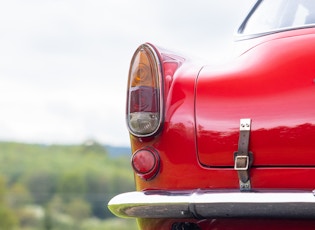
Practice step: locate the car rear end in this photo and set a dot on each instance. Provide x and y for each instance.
(224, 147)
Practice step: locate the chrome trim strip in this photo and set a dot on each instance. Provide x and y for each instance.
(241, 37)
(204, 204)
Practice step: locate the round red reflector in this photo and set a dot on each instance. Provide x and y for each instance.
(145, 162)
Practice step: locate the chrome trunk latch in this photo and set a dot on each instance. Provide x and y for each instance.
(243, 158)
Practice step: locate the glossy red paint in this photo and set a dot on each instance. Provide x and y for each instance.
(203, 105)
(275, 89)
(271, 81)
(279, 103)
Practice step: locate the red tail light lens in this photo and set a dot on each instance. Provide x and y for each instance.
(146, 163)
(144, 102)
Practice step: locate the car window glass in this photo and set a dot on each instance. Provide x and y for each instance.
(279, 14)
(300, 15)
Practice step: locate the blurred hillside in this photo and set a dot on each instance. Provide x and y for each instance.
(115, 151)
(62, 186)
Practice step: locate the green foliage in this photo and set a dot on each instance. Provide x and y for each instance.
(7, 218)
(60, 186)
(42, 185)
(79, 209)
(72, 185)
(115, 224)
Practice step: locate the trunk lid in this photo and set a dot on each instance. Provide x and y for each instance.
(276, 92)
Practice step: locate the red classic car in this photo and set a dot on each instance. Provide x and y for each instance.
(229, 146)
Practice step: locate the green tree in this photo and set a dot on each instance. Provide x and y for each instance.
(57, 175)
(79, 210)
(48, 219)
(18, 196)
(72, 185)
(97, 187)
(92, 146)
(7, 218)
(42, 185)
(56, 205)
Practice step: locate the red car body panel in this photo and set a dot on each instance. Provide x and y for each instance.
(203, 105)
(271, 81)
(200, 132)
(275, 90)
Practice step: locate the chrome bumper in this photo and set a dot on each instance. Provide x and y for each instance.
(214, 204)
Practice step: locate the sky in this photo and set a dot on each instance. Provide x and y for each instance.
(64, 63)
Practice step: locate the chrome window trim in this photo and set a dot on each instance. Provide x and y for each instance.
(239, 36)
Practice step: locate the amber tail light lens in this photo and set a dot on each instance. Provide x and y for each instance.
(144, 104)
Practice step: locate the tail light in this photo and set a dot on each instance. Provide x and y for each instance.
(146, 163)
(144, 103)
